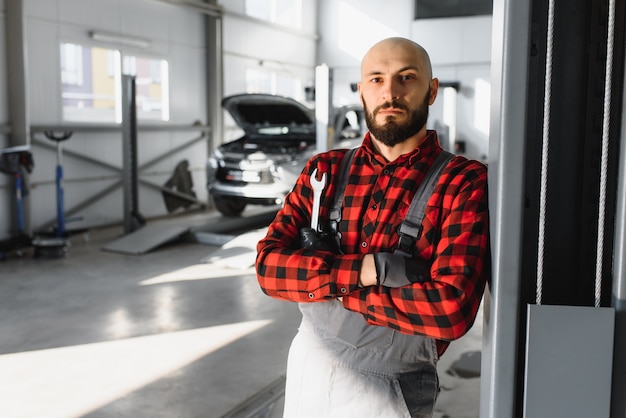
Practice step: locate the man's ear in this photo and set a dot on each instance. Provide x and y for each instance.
(434, 88)
(361, 96)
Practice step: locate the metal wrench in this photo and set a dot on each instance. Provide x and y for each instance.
(317, 186)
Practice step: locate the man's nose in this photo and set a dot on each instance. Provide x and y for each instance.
(391, 90)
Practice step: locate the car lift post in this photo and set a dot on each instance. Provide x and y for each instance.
(132, 218)
(323, 105)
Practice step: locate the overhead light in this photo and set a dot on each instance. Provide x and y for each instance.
(119, 39)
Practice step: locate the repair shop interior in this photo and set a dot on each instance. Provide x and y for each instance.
(147, 145)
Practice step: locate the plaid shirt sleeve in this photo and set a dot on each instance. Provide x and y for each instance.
(455, 238)
(288, 272)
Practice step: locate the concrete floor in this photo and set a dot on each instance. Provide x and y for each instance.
(181, 331)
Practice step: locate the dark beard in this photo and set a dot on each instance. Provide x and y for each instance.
(392, 133)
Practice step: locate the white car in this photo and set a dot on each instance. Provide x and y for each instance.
(262, 166)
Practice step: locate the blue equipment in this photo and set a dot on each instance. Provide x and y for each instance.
(13, 161)
(60, 230)
(55, 247)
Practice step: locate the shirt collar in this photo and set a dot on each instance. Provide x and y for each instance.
(427, 149)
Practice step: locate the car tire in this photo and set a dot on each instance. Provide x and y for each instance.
(229, 206)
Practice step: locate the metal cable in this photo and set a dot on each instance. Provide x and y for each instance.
(605, 151)
(544, 153)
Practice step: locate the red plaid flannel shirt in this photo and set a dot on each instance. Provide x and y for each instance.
(455, 236)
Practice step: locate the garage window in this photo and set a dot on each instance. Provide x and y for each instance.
(282, 12)
(151, 85)
(260, 80)
(90, 79)
(91, 84)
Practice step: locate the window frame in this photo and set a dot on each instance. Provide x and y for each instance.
(115, 70)
(273, 15)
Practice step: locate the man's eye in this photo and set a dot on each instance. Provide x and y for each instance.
(376, 80)
(407, 77)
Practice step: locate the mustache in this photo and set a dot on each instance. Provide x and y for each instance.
(394, 103)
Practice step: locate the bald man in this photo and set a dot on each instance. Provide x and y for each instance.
(377, 313)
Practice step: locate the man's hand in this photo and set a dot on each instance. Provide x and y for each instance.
(322, 241)
(368, 271)
(397, 270)
(390, 270)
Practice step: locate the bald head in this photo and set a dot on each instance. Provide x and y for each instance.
(394, 48)
(396, 89)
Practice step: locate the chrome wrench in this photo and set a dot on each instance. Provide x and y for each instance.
(317, 186)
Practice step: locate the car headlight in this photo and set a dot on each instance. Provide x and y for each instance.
(277, 171)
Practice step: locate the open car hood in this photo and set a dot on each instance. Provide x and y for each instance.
(266, 114)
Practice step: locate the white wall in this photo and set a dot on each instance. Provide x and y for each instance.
(175, 34)
(251, 44)
(460, 50)
(348, 28)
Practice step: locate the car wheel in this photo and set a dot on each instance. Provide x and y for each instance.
(229, 206)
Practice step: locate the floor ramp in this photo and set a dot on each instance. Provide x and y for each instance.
(146, 239)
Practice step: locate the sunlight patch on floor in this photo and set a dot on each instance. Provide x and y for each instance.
(238, 253)
(197, 272)
(73, 381)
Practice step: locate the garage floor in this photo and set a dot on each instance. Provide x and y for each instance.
(180, 331)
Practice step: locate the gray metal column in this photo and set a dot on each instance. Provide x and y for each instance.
(17, 73)
(618, 401)
(215, 76)
(509, 73)
(17, 90)
(323, 106)
(132, 218)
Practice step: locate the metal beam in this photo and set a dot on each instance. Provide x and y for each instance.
(618, 401)
(214, 75)
(17, 91)
(510, 50)
(170, 152)
(110, 189)
(17, 73)
(132, 216)
(95, 161)
(209, 8)
(93, 199)
(214, 62)
(105, 128)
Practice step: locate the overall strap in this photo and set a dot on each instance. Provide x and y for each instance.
(334, 215)
(411, 228)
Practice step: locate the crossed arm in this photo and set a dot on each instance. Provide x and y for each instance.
(442, 307)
